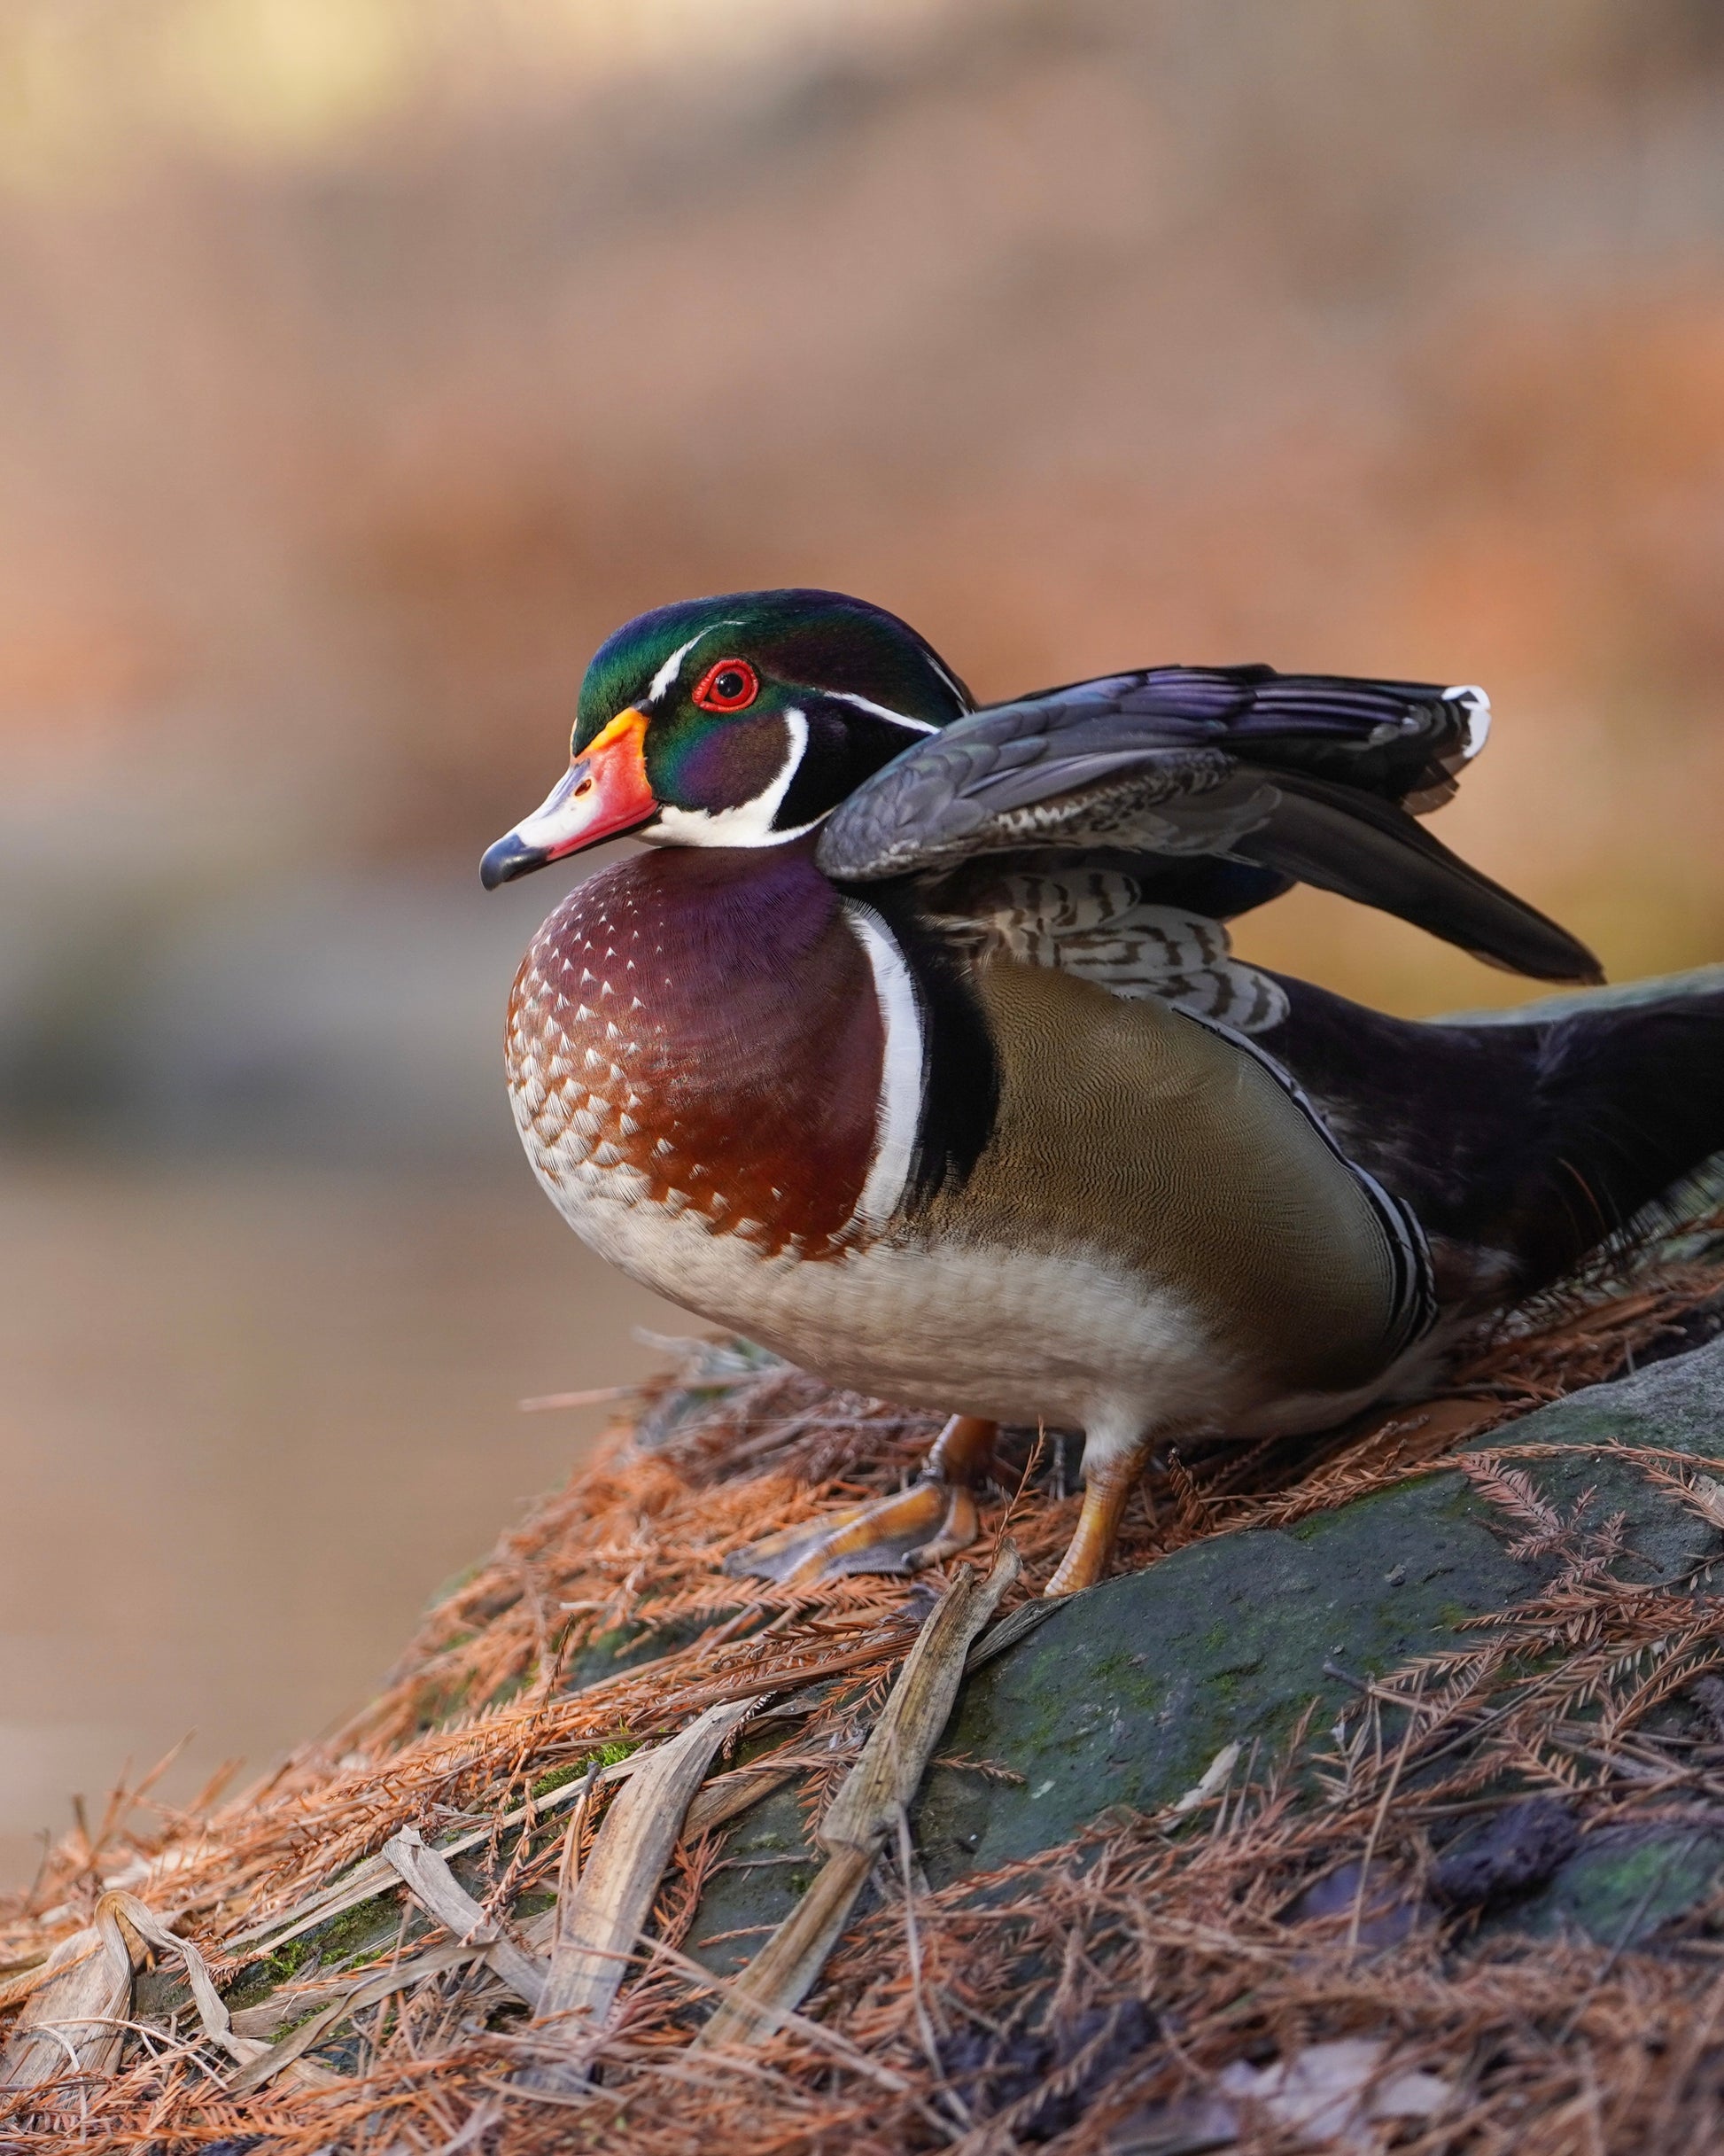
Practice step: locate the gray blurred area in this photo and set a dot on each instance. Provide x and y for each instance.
(328, 1013)
(363, 363)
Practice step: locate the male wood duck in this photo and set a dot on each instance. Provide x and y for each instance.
(912, 1046)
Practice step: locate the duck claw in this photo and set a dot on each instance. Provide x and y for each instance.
(924, 1525)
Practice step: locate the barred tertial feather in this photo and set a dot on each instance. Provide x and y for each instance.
(1097, 924)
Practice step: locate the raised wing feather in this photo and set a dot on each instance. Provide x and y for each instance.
(1302, 775)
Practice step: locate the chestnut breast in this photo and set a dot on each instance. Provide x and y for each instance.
(702, 1025)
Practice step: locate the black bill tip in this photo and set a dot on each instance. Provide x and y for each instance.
(510, 857)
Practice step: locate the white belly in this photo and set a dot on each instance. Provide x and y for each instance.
(1013, 1336)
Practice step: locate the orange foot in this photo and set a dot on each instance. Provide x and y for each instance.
(915, 1528)
(1105, 1489)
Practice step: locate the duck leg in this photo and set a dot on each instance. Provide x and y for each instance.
(1110, 1472)
(924, 1525)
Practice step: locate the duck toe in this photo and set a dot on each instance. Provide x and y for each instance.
(912, 1528)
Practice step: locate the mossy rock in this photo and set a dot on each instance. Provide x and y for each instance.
(631, 1646)
(351, 1935)
(1125, 1694)
(768, 1862)
(1623, 1885)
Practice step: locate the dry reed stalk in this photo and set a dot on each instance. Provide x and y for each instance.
(878, 1788)
(594, 1396)
(598, 1923)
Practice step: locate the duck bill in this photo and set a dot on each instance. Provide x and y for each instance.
(603, 793)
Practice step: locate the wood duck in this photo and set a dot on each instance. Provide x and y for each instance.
(911, 1045)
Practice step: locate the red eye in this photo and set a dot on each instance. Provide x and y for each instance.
(729, 685)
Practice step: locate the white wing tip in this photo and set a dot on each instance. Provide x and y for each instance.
(1477, 706)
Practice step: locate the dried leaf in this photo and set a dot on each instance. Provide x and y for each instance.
(70, 2024)
(897, 1755)
(1334, 2092)
(435, 1887)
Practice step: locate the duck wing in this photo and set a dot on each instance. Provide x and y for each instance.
(1314, 778)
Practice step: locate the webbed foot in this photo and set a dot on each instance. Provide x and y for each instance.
(932, 1519)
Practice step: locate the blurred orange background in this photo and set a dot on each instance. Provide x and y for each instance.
(363, 362)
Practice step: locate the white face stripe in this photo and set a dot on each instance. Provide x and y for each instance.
(951, 682)
(879, 711)
(746, 823)
(897, 1117)
(795, 725)
(667, 672)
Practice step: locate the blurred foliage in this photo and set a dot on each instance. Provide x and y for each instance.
(88, 84)
(369, 360)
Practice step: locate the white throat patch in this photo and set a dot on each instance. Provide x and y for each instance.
(745, 823)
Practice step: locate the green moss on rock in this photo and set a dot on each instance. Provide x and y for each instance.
(1623, 1883)
(1124, 1695)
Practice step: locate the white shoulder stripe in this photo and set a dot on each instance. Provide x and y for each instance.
(897, 1118)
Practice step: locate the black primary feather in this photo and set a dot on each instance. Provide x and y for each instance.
(1341, 840)
(1308, 778)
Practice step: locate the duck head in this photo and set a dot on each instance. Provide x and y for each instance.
(736, 721)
